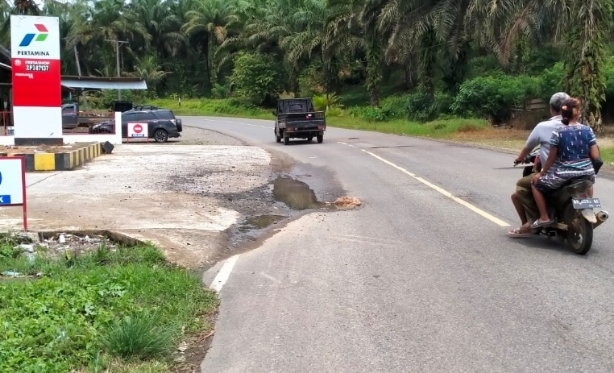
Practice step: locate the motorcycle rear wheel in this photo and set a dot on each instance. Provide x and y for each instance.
(579, 231)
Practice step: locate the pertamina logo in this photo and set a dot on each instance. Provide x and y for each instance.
(34, 37)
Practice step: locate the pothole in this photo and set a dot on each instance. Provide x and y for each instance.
(296, 194)
(259, 222)
(297, 197)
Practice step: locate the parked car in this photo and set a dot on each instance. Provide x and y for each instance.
(161, 113)
(162, 123)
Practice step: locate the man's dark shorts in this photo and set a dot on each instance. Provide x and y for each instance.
(525, 195)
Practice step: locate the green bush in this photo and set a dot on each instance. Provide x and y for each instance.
(394, 106)
(310, 80)
(423, 107)
(369, 113)
(494, 96)
(319, 102)
(551, 81)
(257, 77)
(220, 91)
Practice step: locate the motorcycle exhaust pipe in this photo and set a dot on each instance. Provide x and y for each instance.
(602, 217)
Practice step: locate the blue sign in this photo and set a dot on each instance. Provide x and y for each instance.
(5, 200)
(0, 178)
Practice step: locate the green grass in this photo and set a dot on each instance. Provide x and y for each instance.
(443, 128)
(607, 154)
(214, 107)
(125, 309)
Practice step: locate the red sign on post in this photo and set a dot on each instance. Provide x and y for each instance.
(138, 131)
(35, 65)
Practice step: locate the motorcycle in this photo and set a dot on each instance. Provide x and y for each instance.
(572, 209)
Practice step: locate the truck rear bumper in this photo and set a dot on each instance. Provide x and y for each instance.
(303, 133)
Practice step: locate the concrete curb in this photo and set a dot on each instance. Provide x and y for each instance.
(60, 161)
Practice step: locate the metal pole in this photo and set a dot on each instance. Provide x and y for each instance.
(119, 91)
(117, 57)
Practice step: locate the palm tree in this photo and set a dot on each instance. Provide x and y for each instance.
(102, 25)
(583, 27)
(209, 22)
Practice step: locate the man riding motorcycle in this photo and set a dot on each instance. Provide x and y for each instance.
(522, 198)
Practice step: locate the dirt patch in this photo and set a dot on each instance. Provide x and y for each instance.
(168, 194)
(346, 203)
(39, 149)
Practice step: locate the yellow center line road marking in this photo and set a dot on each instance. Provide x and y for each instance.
(468, 205)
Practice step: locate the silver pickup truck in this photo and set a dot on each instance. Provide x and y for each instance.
(70, 116)
(73, 118)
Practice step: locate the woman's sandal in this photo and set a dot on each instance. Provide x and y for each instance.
(523, 231)
(541, 224)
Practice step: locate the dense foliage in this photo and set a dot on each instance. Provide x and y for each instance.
(486, 57)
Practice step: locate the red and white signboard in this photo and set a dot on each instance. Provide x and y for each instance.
(137, 130)
(35, 63)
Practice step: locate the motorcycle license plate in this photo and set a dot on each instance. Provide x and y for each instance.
(586, 203)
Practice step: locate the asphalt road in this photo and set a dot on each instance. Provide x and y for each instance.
(413, 281)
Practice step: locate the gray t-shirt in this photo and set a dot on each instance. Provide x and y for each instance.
(541, 135)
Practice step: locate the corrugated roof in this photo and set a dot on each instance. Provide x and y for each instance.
(91, 82)
(94, 82)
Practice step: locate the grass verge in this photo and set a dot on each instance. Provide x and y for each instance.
(118, 311)
(444, 128)
(466, 130)
(214, 107)
(607, 154)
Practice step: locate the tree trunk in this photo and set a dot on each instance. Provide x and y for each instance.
(428, 62)
(374, 66)
(456, 69)
(207, 82)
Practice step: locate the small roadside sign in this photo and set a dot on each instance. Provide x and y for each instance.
(137, 130)
(13, 184)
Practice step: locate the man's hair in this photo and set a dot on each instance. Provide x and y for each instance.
(557, 99)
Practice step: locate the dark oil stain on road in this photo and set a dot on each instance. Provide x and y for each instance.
(295, 194)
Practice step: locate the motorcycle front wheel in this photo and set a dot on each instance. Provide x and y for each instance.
(579, 231)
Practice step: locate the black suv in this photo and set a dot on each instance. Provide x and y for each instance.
(162, 123)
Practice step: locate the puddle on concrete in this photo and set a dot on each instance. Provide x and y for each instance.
(294, 193)
(259, 222)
